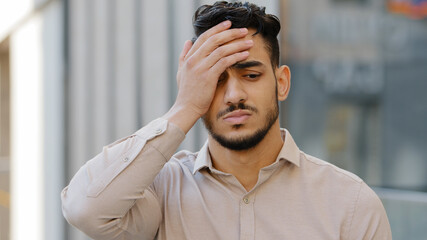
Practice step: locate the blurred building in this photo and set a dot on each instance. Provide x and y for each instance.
(358, 98)
(32, 119)
(76, 75)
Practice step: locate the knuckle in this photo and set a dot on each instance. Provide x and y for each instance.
(225, 61)
(181, 57)
(215, 39)
(219, 52)
(191, 62)
(236, 32)
(204, 36)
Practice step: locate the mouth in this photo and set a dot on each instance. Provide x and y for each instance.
(237, 117)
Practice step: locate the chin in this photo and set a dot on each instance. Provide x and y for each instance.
(241, 137)
(238, 140)
(235, 131)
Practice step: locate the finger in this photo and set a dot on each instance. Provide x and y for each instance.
(227, 50)
(184, 52)
(219, 39)
(212, 31)
(227, 62)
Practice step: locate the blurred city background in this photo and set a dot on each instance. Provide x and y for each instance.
(75, 75)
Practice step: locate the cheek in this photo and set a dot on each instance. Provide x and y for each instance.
(264, 93)
(210, 115)
(216, 101)
(267, 100)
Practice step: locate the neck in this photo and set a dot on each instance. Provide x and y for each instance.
(246, 164)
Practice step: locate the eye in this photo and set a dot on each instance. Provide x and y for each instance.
(252, 76)
(222, 78)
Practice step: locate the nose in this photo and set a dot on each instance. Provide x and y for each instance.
(234, 91)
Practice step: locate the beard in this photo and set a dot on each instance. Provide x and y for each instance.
(244, 142)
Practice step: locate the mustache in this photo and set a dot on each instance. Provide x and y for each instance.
(235, 107)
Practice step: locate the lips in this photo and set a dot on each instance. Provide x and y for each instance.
(237, 117)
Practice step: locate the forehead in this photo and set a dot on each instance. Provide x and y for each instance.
(259, 50)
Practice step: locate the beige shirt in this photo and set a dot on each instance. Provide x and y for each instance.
(136, 189)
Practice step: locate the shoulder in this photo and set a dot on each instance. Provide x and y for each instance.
(330, 184)
(365, 213)
(369, 219)
(175, 172)
(181, 162)
(315, 166)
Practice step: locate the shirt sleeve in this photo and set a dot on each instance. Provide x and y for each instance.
(369, 220)
(110, 196)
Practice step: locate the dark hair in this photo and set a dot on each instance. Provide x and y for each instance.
(241, 15)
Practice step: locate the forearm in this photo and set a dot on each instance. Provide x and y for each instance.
(101, 196)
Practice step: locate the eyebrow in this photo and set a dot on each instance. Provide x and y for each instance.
(247, 64)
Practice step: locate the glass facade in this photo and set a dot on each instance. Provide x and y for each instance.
(358, 98)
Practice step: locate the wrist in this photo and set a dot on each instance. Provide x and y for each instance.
(181, 116)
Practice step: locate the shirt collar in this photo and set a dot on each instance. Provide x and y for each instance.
(203, 158)
(289, 152)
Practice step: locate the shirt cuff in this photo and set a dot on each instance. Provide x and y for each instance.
(168, 137)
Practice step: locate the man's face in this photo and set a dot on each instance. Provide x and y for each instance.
(245, 105)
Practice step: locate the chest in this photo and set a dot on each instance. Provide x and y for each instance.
(210, 208)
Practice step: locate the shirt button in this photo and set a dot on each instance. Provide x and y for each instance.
(246, 200)
(126, 159)
(158, 131)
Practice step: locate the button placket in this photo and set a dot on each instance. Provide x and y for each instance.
(247, 219)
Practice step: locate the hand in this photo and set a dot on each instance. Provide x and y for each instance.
(201, 64)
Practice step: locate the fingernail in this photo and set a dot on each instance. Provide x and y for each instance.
(245, 53)
(249, 42)
(226, 23)
(244, 30)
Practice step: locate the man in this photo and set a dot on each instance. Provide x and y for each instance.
(249, 181)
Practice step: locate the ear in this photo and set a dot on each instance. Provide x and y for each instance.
(283, 75)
